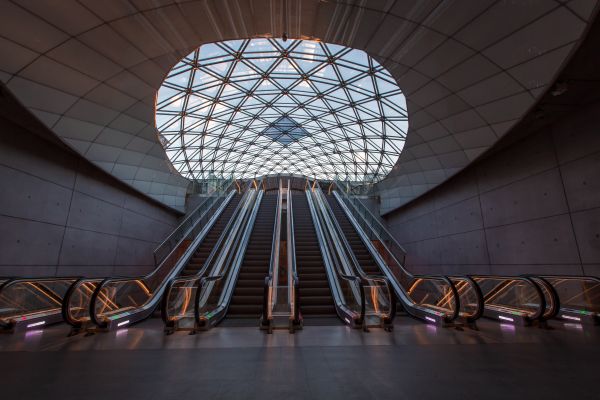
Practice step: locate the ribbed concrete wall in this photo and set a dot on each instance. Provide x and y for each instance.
(59, 215)
(532, 207)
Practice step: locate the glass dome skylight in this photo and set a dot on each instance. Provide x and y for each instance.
(247, 108)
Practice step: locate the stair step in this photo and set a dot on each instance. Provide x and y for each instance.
(322, 310)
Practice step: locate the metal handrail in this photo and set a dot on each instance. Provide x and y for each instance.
(551, 278)
(228, 185)
(66, 304)
(329, 247)
(391, 254)
(210, 203)
(354, 267)
(233, 260)
(507, 279)
(12, 281)
(195, 279)
(405, 296)
(7, 283)
(179, 264)
(271, 278)
(477, 293)
(293, 280)
(366, 280)
(275, 245)
(552, 302)
(377, 221)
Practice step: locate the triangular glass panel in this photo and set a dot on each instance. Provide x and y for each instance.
(295, 118)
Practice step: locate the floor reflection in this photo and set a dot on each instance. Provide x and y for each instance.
(150, 335)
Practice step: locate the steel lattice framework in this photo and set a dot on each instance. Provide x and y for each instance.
(247, 108)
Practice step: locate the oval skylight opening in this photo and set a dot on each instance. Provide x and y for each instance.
(248, 108)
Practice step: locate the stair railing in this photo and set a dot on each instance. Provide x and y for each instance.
(118, 302)
(431, 298)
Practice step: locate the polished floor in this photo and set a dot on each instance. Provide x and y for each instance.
(416, 361)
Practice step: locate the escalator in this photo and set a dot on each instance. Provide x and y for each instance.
(579, 298)
(182, 289)
(520, 300)
(433, 299)
(361, 301)
(247, 300)
(362, 254)
(316, 301)
(201, 255)
(118, 302)
(32, 303)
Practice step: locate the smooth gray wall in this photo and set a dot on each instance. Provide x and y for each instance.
(533, 207)
(59, 215)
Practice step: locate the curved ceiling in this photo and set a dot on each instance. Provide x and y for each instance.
(90, 70)
(247, 108)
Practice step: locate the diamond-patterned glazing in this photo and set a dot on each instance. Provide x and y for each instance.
(247, 108)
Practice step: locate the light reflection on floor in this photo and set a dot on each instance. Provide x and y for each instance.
(149, 335)
(415, 361)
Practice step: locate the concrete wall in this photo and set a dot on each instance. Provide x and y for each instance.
(59, 215)
(531, 207)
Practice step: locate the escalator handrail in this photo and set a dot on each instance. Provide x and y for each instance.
(593, 308)
(92, 305)
(358, 274)
(142, 278)
(215, 249)
(224, 189)
(478, 293)
(323, 214)
(391, 254)
(378, 260)
(367, 280)
(148, 276)
(212, 278)
(178, 266)
(382, 227)
(555, 307)
(529, 282)
(66, 314)
(291, 245)
(14, 281)
(376, 220)
(242, 237)
(274, 260)
(348, 249)
(456, 312)
(224, 195)
(539, 315)
(570, 277)
(382, 242)
(331, 261)
(209, 261)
